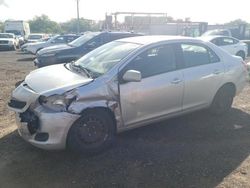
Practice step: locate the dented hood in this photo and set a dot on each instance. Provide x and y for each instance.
(53, 78)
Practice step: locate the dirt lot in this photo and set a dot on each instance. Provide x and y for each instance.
(196, 150)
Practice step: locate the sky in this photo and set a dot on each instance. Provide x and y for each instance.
(212, 11)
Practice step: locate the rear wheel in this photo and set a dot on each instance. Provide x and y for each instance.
(241, 54)
(223, 100)
(91, 133)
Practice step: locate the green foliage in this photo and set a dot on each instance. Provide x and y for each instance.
(236, 22)
(42, 24)
(85, 25)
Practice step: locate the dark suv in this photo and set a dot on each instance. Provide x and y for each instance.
(77, 48)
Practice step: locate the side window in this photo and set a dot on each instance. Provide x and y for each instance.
(98, 41)
(154, 61)
(227, 41)
(236, 41)
(213, 57)
(217, 41)
(69, 38)
(59, 40)
(195, 55)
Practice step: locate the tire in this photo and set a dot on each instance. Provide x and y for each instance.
(223, 100)
(241, 54)
(93, 132)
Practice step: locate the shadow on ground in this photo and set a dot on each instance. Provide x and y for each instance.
(196, 150)
(27, 58)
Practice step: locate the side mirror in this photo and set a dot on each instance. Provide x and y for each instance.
(132, 76)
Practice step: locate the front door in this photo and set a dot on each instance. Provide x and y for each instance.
(160, 91)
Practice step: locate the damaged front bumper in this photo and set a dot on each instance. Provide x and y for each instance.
(44, 128)
(40, 126)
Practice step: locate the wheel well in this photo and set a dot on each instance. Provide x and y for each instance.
(230, 87)
(241, 51)
(38, 49)
(112, 115)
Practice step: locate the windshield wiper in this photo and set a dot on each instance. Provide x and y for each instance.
(84, 69)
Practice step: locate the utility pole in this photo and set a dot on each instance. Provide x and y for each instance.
(78, 18)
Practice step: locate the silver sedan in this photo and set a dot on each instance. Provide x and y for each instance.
(123, 85)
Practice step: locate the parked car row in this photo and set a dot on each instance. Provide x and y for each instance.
(121, 85)
(77, 48)
(33, 48)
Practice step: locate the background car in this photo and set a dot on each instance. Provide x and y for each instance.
(36, 37)
(8, 41)
(33, 48)
(230, 44)
(221, 32)
(76, 49)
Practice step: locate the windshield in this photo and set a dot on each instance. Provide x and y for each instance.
(14, 32)
(216, 32)
(35, 37)
(5, 35)
(53, 38)
(83, 39)
(102, 59)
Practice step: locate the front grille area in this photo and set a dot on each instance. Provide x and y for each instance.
(4, 42)
(16, 104)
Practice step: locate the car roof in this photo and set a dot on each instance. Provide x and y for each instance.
(144, 40)
(211, 37)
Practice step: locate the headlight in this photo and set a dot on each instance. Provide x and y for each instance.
(11, 42)
(57, 103)
(48, 54)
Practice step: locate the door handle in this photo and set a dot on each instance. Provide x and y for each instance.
(217, 71)
(176, 81)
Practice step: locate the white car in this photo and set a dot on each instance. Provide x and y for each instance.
(36, 37)
(223, 32)
(8, 41)
(122, 85)
(230, 44)
(33, 48)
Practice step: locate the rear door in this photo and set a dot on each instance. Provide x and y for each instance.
(230, 45)
(203, 73)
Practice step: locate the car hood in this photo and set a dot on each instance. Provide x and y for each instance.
(55, 79)
(54, 48)
(37, 43)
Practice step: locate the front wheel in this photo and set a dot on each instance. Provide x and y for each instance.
(223, 100)
(91, 133)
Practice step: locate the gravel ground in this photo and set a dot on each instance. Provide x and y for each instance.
(196, 150)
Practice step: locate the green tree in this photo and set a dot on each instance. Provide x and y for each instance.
(85, 25)
(236, 22)
(42, 24)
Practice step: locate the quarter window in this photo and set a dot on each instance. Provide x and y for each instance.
(154, 61)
